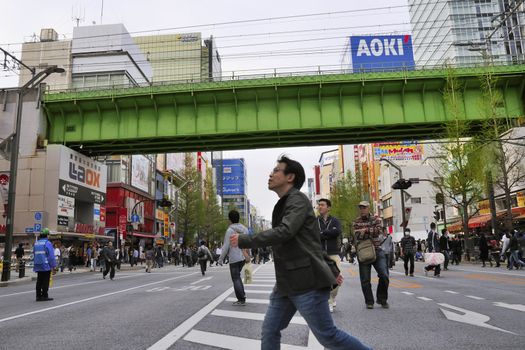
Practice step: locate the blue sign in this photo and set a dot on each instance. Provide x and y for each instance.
(233, 177)
(38, 216)
(382, 53)
(29, 230)
(135, 218)
(37, 228)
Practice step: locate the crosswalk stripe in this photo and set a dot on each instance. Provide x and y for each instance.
(254, 316)
(230, 342)
(259, 285)
(253, 291)
(407, 293)
(451, 292)
(424, 298)
(474, 297)
(252, 301)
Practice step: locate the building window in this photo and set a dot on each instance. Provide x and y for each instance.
(415, 200)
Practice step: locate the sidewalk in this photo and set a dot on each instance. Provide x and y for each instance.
(31, 276)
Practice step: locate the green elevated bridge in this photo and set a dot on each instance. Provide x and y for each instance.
(272, 112)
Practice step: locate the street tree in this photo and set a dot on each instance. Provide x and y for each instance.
(189, 206)
(458, 165)
(345, 196)
(503, 152)
(214, 224)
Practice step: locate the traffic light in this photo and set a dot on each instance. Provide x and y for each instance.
(401, 184)
(437, 215)
(440, 199)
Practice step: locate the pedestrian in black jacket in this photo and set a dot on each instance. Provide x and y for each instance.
(330, 229)
(110, 259)
(303, 276)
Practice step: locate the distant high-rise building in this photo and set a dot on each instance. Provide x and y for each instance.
(467, 32)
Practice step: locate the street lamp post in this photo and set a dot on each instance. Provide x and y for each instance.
(402, 192)
(32, 83)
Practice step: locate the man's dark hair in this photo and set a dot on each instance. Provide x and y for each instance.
(432, 226)
(443, 231)
(294, 167)
(233, 215)
(327, 201)
(407, 230)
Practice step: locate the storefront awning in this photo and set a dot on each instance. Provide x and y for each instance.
(145, 235)
(81, 236)
(484, 220)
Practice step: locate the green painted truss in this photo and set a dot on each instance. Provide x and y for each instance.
(273, 112)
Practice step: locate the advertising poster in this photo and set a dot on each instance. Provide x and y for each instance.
(381, 53)
(4, 192)
(406, 150)
(233, 177)
(140, 172)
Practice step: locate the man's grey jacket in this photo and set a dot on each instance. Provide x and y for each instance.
(294, 237)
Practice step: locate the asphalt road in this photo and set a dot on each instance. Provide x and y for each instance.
(178, 308)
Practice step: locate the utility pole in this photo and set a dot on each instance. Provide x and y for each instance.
(31, 84)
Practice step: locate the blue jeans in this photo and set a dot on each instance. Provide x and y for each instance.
(313, 307)
(515, 259)
(235, 273)
(365, 271)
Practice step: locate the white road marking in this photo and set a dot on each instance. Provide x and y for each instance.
(259, 285)
(251, 301)
(68, 285)
(517, 307)
(169, 339)
(451, 292)
(492, 272)
(202, 280)
(407, 293)
(91, 298)
(424, 298)
(254, 316)
(230, 342)
(252, 291)
(474, 297)
(469, 317)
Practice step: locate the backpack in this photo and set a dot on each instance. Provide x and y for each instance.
(201, 253)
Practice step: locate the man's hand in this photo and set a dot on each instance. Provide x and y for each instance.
(339, 279)
(234, 240)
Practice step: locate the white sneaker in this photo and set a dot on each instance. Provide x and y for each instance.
(334, 304)
(331, 307)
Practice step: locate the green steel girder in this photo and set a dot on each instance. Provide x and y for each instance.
(273, 112)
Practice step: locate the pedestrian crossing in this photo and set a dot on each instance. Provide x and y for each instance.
(251, 314)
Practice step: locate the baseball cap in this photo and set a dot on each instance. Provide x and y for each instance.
(364, 204)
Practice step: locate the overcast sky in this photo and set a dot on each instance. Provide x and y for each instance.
(302, 43)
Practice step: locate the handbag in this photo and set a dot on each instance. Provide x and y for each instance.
(366, 252)
(434, 258)
(248, 273)
(332, 265)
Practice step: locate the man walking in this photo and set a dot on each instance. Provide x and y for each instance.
(19, 253)
(367, 227)
(444, 246)
(203, 254)
(330, 229)
(44, 262)
(408, 250)
(110, 260)
(433, 247)
(236, 256)
(303, 276)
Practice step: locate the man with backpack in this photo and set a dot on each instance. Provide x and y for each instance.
(203, 254)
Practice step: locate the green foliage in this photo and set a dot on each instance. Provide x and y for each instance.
(345, 197)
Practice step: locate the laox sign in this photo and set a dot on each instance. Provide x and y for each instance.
(81, 174)
(378, 47)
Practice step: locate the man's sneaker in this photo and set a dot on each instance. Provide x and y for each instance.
(411, 275)
(334, 304)
(385, 305)
(331, 307)
(239, 303)
(369, 306)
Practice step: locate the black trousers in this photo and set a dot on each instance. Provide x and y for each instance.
(409, 257)
(42, 284)
(203, 264)
(110, 267)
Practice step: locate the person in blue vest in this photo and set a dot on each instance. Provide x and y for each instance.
(44, 263)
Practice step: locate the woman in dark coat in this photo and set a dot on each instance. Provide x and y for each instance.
(484, 250)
